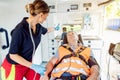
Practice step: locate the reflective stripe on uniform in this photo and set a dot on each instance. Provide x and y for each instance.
(79, 62)
(11, 75)
(70, 69)
(69, 60)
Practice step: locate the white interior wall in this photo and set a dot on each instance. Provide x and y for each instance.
(11, 13)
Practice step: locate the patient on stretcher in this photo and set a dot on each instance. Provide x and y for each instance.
(73, 61)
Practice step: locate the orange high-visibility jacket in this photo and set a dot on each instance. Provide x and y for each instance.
(73, 65)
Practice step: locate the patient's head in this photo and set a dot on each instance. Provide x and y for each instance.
(72, 37)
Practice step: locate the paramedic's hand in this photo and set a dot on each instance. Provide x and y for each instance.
(57, 27)
(38, 68)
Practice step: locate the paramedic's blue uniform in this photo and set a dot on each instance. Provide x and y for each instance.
(21, 40)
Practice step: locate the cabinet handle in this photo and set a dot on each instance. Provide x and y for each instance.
(53, 53)
(89, 41)
(89, 45)
(52, 41)
(53, 48)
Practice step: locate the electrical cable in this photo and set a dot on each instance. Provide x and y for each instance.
(108, 73)
(33, 46)
(108, 66)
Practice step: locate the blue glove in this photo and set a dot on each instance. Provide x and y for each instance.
(38, 68)
(57, 27)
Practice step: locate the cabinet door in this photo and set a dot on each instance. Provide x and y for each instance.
(48, 41)
(95, 44)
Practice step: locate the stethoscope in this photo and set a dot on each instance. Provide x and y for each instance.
(31, 36)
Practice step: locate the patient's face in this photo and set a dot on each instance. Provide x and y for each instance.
(72, 37)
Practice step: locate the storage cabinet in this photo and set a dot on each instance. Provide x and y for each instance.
(49, 44)
(53, 47)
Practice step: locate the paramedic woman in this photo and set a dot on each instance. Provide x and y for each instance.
(18, 62)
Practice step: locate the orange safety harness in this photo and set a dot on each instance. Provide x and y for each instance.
(75, 54)
(72, 54)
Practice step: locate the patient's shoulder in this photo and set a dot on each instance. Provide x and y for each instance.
(64, 45)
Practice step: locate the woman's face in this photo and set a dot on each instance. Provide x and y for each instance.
(42, 17)
(72, 37)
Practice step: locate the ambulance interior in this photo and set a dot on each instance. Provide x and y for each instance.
(98, 22)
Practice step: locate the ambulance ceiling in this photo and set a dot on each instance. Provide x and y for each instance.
(5, 2)
(79, 0)
(99, 2)
(85, 0)
(53, 0)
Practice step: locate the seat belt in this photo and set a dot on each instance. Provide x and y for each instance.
(75, 54)
(72, 54)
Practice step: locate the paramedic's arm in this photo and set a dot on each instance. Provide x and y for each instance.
(20, 60)
(50, 29)
(94, 69)
(37, 68)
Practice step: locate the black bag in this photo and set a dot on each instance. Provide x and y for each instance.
(114, 50)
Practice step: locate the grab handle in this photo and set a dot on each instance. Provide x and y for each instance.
(7, 40)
